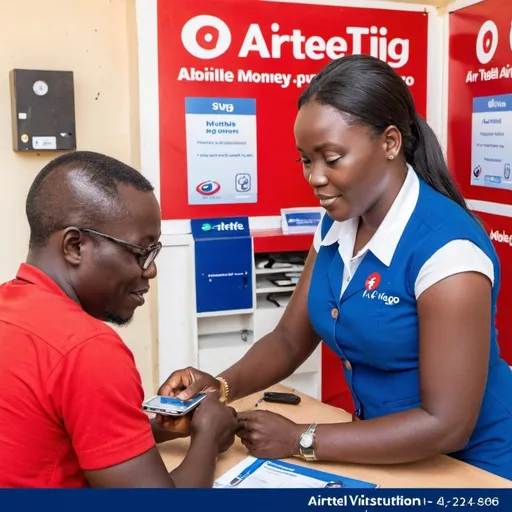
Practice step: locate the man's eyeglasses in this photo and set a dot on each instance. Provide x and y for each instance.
(146, 255)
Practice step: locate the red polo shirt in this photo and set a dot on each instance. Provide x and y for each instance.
(70, 394)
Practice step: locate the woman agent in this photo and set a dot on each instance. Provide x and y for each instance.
(401, 283)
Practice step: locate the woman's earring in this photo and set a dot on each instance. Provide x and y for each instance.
(391, 157)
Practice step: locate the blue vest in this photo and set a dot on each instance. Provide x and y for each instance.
(373, 327)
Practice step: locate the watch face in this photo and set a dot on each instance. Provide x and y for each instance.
(306, 440)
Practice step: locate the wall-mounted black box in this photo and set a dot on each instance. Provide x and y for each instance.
(43, 110)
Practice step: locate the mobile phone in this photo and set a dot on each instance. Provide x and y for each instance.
(169, 406)
(281, 398)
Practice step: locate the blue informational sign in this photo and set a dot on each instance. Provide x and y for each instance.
(223, 264)
(221, 150)
(491, 148)
(302, 221)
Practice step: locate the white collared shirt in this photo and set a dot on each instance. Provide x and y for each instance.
(453, 258)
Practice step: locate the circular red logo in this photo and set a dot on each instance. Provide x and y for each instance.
(372, 282)
(208, 188)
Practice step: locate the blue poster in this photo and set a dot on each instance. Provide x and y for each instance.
(491, 153)
(221, 150)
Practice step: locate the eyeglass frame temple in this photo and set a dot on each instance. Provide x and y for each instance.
(146, 250)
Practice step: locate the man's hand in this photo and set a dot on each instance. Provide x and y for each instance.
(268, 435)
(213, 418)
(179, 425)
(187, 383)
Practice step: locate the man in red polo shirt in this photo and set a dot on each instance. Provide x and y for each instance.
(70, 406)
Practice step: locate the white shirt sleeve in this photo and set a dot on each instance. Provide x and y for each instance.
(455, 257)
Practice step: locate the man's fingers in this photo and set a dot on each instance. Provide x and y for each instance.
(179, 425)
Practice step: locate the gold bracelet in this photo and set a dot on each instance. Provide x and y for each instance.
(224, 390)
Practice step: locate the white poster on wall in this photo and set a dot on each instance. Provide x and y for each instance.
(491, 148)
(221, 150)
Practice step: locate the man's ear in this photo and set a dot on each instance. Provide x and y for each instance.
(72, 245)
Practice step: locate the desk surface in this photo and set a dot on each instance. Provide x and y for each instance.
(441, 471)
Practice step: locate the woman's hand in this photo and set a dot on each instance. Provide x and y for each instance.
(187, 383)
(268, 435)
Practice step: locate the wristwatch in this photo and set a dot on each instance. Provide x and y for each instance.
(307, 443)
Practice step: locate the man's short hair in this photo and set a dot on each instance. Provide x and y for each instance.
(49, 205)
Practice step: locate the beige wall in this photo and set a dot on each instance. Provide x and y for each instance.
(95, 39)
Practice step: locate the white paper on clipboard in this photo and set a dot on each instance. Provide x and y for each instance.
(253, 473)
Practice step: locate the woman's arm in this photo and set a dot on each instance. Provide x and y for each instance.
(273, 358)
(454, 330)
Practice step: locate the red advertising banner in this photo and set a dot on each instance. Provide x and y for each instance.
(480, 127)
(480, 100)
(234, 71)
(500, 230)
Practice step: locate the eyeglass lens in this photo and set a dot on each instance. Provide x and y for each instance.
(150, 258)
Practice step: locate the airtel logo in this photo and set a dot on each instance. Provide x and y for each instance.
(206, 37)
(373, 281)
(487, 42)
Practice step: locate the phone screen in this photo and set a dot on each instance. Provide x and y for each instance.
(173, 404)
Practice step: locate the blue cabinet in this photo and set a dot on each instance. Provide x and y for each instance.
(223, 264)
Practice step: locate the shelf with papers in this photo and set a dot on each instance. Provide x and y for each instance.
(274, 301)
(274, 289)
(265, 283)
(294, 269)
